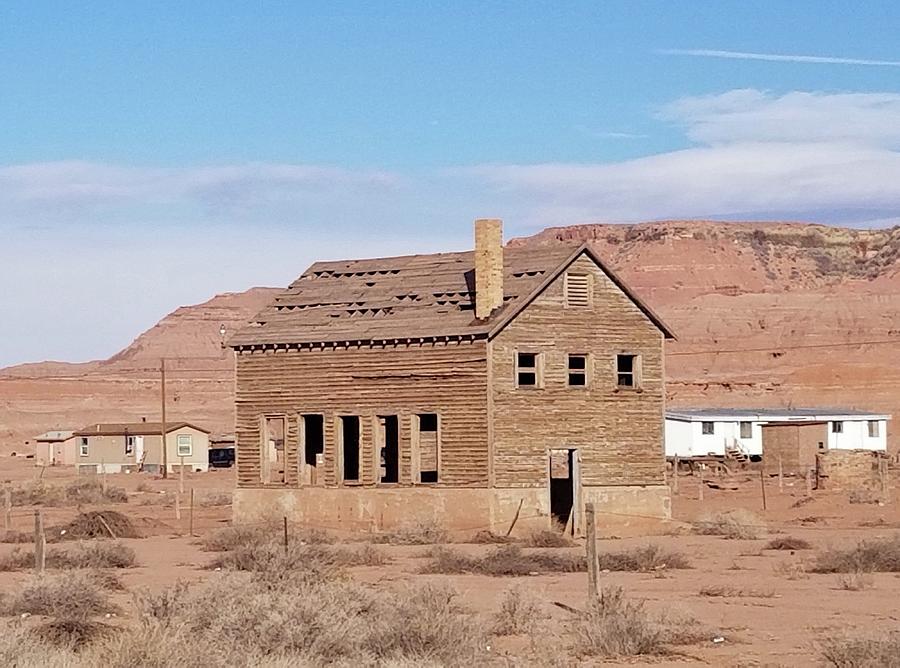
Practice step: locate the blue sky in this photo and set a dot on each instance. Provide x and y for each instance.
(153, 154)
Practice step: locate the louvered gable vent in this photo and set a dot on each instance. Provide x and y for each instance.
(578, 289)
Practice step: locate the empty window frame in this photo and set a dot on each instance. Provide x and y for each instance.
(873, 429)
(837, 427)
(528, 369)
(708, 428)
(577, 289)
(628, 370)
(185, 445)
(350, 442)
(129, 445)
(746, 430)
(83, 447)
(429, 437)
(388, 449)
(577, 367)
(273, 459)
(312, 437)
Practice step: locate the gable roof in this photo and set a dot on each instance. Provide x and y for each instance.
(135, 429)
(410, 297)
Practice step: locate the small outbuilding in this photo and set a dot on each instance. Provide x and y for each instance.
(55, 448)
(794, 435)
(127, 447)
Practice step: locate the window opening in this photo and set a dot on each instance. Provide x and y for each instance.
(389, 449)
(527, 369)
(873, 428)
(428, 447)
(837, 427)
(746, 430)
(578, 370)
(708, 428)
(627, 370)
(350, 448)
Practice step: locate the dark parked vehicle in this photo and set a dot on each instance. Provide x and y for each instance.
(221, 458)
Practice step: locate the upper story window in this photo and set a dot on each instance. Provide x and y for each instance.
(578, 370)
(577, 289)
(746, 430)
(873, 429)
(708, 428)
(628, 370)
(837, 427)
(528, 369)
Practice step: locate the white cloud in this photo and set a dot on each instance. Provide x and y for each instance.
(779, 57)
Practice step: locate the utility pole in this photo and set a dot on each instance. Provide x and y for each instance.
(162, 384)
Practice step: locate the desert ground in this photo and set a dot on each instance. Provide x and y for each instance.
(736, 601)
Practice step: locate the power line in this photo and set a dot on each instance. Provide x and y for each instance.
(776, 349)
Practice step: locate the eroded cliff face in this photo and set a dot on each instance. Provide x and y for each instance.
(766, 314)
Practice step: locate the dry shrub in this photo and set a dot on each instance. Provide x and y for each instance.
(83, 491)
(419, 533)
(878, 555)
(791, 569)
(614, 626)
(505, 560)
(213, 498)
(95, 524)
(16, 560)
(519, 613)
(642, 559)
(737, 524)
(20, 648)
(725, 591)
(547, 538)
(309, 558)
(855, 581)
(863, 495)
(238, 536)
(71, 633)
(19, 537)
(863, 652)
(484, 537)
(67, 596)
(97, 554)
(788, 543)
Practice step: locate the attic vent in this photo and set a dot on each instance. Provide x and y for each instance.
(529, 274)
(578, 290)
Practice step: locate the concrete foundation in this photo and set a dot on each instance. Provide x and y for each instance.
(373, 509)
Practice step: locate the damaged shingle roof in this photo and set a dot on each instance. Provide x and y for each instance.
(414, 296)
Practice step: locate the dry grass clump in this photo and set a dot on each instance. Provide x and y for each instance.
(95, 524)
(16, 560)
(864, 652)
(547, 538)
(863, 495)
(880, 555)
(99, 554)
(614, 626)
(63, 595)
(642, 559)
(420, 533)
(484, 537)
(519, 613)
(505, 560)
(71, 633)
(791, 569)
(855, 581)
(309, 558)
(213, 498)
(788, 543)
(725, 591)
(13, 536)
(244, 536)
(87, 490)
(737, 524)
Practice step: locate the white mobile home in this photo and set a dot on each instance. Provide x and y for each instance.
(721, 431)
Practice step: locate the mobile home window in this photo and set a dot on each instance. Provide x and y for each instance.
(837, 427)
(746, 430)
(429, 447)
(528, 369)
(578, 290)
(578, 370)
(185, 445)
(708, 428)
(873, 429)
(628, 369)
(129, 445)
(83, 447)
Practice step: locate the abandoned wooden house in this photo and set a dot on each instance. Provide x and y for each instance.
(462, 388)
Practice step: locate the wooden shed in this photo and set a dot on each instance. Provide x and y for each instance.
(462, 388)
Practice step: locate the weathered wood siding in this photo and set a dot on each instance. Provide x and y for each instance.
(618, 431)
(449, 379)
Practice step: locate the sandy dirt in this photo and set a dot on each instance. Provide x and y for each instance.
(776, 618)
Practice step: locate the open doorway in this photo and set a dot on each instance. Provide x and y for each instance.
(563, 488)
(388, 449)
(274, 468)
(312, 435)
(350, 448)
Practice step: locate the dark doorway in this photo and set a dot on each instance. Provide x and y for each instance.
(389, 442)
(562, 487)
(350, 447)
(313, 438)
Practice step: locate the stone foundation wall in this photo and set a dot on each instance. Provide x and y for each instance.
(456, 509)
(848, 469)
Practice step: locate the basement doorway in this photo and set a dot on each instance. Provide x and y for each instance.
(564, 489)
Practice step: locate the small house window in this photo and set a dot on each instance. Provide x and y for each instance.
(528, 369)
(83, 447)
(578, 290)
(628, 370)
(708, 428)
(185, 445)
(837, 427)
(578, 369)
(746, 430)
(873, 429)
(129, 445)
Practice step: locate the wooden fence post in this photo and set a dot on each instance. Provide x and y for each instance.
(810, 472)
(700, 487)
(591, 547)
(7, 504)
(780, 475)
(177, 506)
(675, 475)
(762, 486)
(191, 521)
(285, 535)
(40, 543)
(181, 477)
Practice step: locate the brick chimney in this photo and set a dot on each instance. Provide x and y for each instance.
(488, 266)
